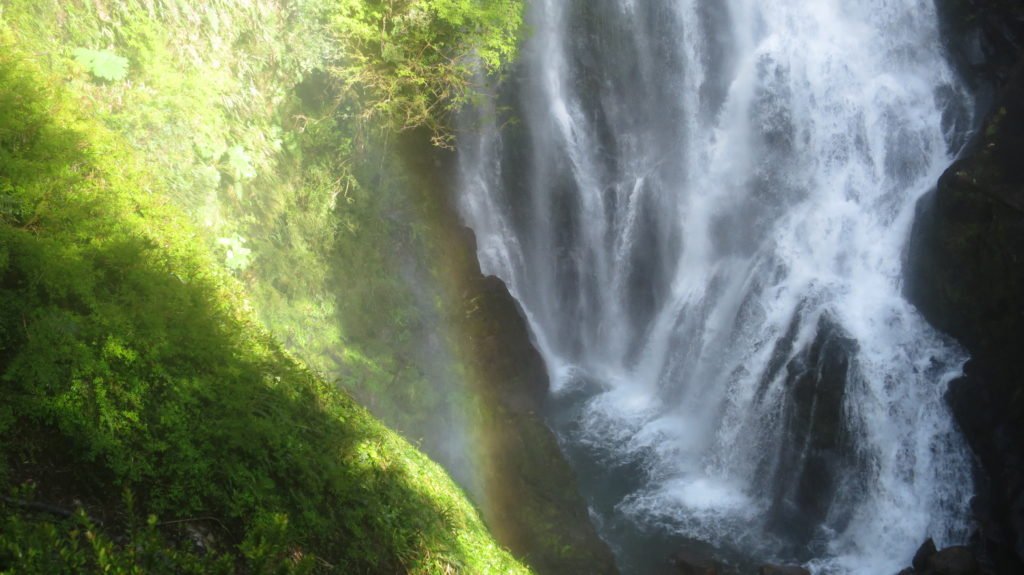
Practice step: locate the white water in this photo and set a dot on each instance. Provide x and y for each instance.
(697, 192)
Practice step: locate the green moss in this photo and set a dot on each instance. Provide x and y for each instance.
(130, 362)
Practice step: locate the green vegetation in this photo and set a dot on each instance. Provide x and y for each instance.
(139, 381)
(129, 366)
(102, 64)
(270, 125)
(413, 62)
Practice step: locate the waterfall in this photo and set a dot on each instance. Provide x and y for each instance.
(702, 206)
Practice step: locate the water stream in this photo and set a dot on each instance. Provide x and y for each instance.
(702, 206)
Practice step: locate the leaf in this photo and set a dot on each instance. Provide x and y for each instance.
(240, 164)
(102, 64)
(238, 257)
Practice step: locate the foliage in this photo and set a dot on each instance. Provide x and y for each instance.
(263, 120)
(237, 257)
(102, 64)
(268, 121)
(78, 545)
(245, 136)
(414, 62)
(129, 361)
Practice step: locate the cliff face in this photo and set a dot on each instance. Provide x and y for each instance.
(966, 269)
(984, 37)
(531, 501)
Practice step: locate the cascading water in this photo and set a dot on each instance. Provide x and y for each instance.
(702, 209)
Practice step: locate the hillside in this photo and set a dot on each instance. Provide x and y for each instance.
(149, 422)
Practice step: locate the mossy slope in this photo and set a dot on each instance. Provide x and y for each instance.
(136, 383)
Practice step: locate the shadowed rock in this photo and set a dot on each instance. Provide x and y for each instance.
(924, 553)
(966, 275)
(782, 570)
(532, 502)
(691, 563)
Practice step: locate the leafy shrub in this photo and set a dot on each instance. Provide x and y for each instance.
(414, 62)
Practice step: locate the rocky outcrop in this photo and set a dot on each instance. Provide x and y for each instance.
(532, 503)
(818, 451)
(686, 562)
(543, 518)
(957, 560)
(984, 39)
(966, 275)
(924, 552)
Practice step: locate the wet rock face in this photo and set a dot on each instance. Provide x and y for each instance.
(924, 553)
(957, 560)
(687, 562)
(532, 504)
(808, 470)
(544, 519)
(953, 561)
(984, 38)
(966, 275)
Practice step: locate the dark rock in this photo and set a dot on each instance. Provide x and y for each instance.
(983, 38)
(924, 553)
(819, 452)
(782, 570)
(532, 503)
(953, 561)
(689, 563)
(966, 275)
(957, 560)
